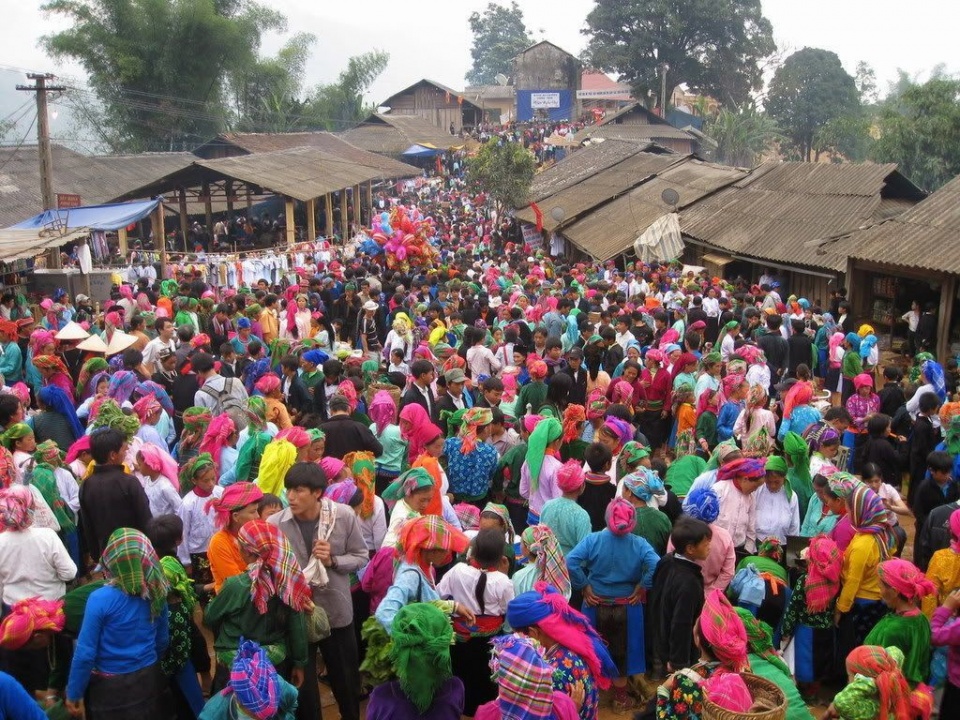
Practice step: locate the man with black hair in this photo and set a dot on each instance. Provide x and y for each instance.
(329, 532)
(420, 392)
(11, 410)
(491, 392)
(110, 498)
(295, 394)
(938, 489)
(775, 348)
(345, 435)
(164, 339)
(216, 392)
(574, 368)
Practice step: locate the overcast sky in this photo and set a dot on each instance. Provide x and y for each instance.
(431, 38)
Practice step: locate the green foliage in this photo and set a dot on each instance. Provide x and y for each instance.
(713, 47)
(809, 90)
(160, 68)
(499, 35)
(742, 135)
(339, 106)
(846, 136)
(503, 170)
(918, 127)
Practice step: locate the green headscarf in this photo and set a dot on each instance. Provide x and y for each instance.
(110, 415)
(189, 471)
(169, 288)
(918, 361)
(776, 464)
(132, 565)
(797, 452)
(711, 358)
(760, 640)
(720, 452)
(420, 652)
(370, 370)
(45, 481)
(180, 583)
(952, 439)
(633, 452)
(546, 432)
(408, 483)
(683, 471)
(13, 433)
(257, 412)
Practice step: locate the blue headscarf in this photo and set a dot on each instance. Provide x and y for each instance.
(829, 324)
(57, 401)
(122, 385)
(702, 504)
(644, 483)
(317, 357)
(149, 387)
(854, 341)
(243, 324)
(933, 372)
(866, 345)
(254, 372)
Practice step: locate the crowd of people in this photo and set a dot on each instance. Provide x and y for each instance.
(503, 485)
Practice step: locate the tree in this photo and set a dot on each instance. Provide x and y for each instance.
(160, 68)
(713, 47)
(917, 129)
(503, 170)
(339, 106)
(499, 35)
(809, 90)
(742, 135)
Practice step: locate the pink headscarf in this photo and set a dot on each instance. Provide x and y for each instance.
(383, 410)
(22, 392)
(530, 422)
(157, 460)
(509, 386)
(906, 578)
(291, 297)
(833, 343)
(417, 430)
(621, 517)
(570, 476)
(214, 440)
(955, 530)
(39, 338)
(146, 406)
(332, 467)
(296, 436)
(863, 380)
(126, 292)
(349, 391)
(729, 691)
(267, 384)
(81, 445)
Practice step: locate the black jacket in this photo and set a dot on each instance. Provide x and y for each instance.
(444, 403)
(935, 534)
(298, 397)
(777, 352)
(578, 393)
(676, 600)
(345, 435)
(412, 395)
(111, 499)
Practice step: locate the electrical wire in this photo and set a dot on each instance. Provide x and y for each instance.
(16, 148)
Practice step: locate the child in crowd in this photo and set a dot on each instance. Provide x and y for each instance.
(598, 490)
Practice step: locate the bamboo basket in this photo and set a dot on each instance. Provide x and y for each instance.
(376, 387)
(763, 692)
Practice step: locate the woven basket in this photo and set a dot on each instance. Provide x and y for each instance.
(763, 692)
(376, 387)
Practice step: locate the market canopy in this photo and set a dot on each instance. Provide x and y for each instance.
(422, 151)
(112, 216)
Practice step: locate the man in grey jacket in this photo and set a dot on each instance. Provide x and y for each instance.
(331, 533)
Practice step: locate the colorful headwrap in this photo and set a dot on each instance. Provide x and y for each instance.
(468, 516)
(131, 564)
(800, 393)
(752, 354)
(16, 508)
(430, 532)
(728, 691)
(573, 416)
(750, 468)
(48, 452)
(50, 362)
(22, 392)
(547, 431)
(882, 665)
(194, 467)
(179, 581)
(363, 467)
(296, 436)
(348, 390)
(28, 617)
(342, 492)
(723, 629)
(546, 608)
(621, 517)
(408, 483)
(122, 385)
(473, 419)
(645, 484)
(256, 412)
(570, 477)
(537, 369)
(760, 640)
(254, 682)
(868, 515)
(15, 432)
(906, 578)
(146, 406)
(149, 387)
(842, 484)
(332, 467)
(597, 404)
(267, 384)
(620, 429)
(235, 497)
(523, 677)
(81, 445)
(542, 544)
(383, 410)
(196, 420)
(633, 452)
(824, 565)
(702, 504)
(215, 438)
(770, 548)
(275, 571)
(421, 636)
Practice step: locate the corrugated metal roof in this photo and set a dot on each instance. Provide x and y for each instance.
(578, 199)
(303, 173)
(434, 83)
(611, 229)
(96, 179)
(634, 133)
(271, 142)
(584, 163)
(927, 236)
(779, 209)
(392, 134)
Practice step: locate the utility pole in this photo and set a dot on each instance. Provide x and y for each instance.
(664, 67)
(40, 88)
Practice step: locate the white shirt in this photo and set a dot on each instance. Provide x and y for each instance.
(217, 383)
(152, 351)
(482, 361)
(374, 528)
(889, 492)
(34, 563)
(461, 580)
(711, 306)
(68, 488)
(400, 514)
(163, 499)
(197, 524)
(777, 515)
(738, 514)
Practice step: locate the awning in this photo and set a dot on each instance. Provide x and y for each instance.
(19, 244)
(660, 241)
(422, 151)
(717, 259)
(91, 217)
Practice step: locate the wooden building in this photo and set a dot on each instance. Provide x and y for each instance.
(445, 108)
(635, 122)
(546, 79)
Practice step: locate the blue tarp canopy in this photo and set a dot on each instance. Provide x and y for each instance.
(91, 217)
(422, 151)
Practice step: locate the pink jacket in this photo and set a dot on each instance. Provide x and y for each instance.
(943, 632)
(718, 568)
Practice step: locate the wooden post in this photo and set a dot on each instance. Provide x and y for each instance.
(208, 207)
(291, 223)
(948, 289)
(228, 189)
(122, 237)
(249, 201)
(328, 199)
(184, 221)
(344, 219)
(356, 206)
(159, 236)
(311, 220)
(368, 196)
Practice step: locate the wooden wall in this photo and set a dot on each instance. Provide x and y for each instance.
(432, 104)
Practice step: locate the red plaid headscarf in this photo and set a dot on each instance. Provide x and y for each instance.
(572, 416)
(275, 571)
(880, 665)
(236, 497)
(723, 629)
(429, 533)
(824, 564)
(906, 578)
